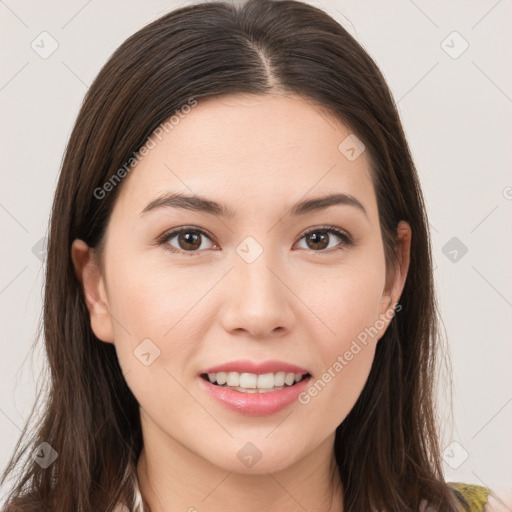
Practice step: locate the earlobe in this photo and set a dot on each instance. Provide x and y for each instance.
(89, 275)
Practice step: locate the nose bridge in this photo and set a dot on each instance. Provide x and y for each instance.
(252, 270)
(258, 298)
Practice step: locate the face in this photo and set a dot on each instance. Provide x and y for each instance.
(264, 281)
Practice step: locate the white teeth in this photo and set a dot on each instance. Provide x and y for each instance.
(289, 379)
(279, 378)
(253, 383)
(248, 380)
(233, 379)
(222, 378)
(265, 381)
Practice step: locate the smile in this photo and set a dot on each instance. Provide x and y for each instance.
(254, 383)
(254, 401)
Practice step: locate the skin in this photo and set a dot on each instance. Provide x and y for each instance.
(296, 302)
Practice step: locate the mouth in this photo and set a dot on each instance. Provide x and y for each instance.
(253, 382)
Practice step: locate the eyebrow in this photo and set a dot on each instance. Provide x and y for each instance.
(204, 205)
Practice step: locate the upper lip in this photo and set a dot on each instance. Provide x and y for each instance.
(248, 366)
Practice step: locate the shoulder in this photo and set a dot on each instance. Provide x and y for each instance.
(480, 499)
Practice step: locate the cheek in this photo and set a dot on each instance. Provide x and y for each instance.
(348, 301)
(156, 336)
(154, 320)
(346, 298)
(347, 353)
(333, 393)
(153, 299)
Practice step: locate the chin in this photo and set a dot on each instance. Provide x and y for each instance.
(253, 459)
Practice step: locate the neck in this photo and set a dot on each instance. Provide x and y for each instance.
(171, 477)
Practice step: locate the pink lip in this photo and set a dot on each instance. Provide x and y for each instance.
(256, 404)
(247, 366)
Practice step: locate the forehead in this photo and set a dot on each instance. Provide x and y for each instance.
(250, 152)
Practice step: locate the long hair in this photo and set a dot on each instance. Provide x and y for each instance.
(387, 449)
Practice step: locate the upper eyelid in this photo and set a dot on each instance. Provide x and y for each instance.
(173, 232)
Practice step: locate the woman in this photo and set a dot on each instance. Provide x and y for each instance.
(239, 300)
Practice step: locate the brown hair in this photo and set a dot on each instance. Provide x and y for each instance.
(386, 449)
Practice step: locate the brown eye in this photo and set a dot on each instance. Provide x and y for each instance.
(320, 239)
(317, 240)
(189, 241)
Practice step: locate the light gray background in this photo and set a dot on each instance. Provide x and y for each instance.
(457, 117)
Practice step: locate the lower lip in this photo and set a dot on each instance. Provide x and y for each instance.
(255, 404)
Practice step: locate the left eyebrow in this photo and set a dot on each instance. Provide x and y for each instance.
(321, 203)
(186, 202)
(202, 204)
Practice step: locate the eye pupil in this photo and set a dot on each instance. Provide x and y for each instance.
(190, 238)
(321, 239)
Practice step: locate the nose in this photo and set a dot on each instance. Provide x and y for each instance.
(258, 299)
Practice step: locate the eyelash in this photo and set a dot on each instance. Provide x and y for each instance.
(347, 240)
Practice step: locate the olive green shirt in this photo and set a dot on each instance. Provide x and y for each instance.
(474, 496)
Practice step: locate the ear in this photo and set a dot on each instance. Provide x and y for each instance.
(88, 272)
(394, 289)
